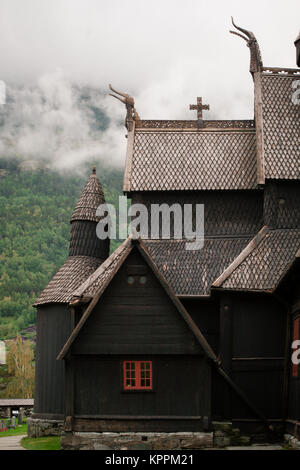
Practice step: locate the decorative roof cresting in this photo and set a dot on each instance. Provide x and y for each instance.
(256, 63)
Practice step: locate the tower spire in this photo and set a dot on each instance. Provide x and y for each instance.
(84, 240)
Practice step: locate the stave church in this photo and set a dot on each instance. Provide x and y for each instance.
(155, 338)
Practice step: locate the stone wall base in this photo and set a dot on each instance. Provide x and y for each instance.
(44, 427)
(136, 441)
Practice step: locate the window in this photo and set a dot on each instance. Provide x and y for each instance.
(130, 280)
(143, 280)
(137, 375)
(296, 325)
(133, 279)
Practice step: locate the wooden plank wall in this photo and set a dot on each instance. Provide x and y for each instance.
(53, 329)
(135, 319)
(181, 388)
(253, 352)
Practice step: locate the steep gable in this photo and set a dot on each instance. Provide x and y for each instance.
(134, 311)
(135, 318)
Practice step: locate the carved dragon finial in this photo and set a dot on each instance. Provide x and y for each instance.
(132, 114)
(256, 63)
(297, 44)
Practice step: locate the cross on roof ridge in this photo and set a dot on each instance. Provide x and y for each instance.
(199, 107)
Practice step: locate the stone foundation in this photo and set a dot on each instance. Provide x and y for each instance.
(44, 427)
(136, 441)
(292, 441)
(226, 435)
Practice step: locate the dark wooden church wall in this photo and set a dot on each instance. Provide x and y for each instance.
(252, 352)
(53, 329)
(281, 204)
(205, 313)
(289, 291)
(180, 389)
(135, 318)
(294, 382)
(225, 212)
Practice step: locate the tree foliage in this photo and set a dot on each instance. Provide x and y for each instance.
(35, 209)
(21, 368)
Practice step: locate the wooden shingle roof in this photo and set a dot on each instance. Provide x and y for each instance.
(281, 125)
(98, 279)
(91, 197)
(166, 159)
(264, 262)
(67, 279)
(191, 273)
(187, 272)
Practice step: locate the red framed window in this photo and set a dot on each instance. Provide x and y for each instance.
(137, 375)
(296, 327)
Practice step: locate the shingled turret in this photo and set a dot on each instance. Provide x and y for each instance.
(86, 251)
(83, 241)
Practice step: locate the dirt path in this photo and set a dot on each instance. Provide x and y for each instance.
(11, 443)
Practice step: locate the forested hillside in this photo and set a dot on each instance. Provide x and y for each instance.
(35, 209)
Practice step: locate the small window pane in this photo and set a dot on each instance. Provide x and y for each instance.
(137, 375)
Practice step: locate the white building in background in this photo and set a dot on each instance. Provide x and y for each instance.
(2, 353)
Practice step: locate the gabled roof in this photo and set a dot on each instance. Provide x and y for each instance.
(263, 263)
(191, 273)
(280, 124)
(112, 268)
(174, 159)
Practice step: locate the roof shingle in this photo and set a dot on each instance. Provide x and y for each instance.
(266, 264)
(191, 160)
(67, 279)
(281, 125)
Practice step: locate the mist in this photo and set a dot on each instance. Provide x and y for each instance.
(58, 56)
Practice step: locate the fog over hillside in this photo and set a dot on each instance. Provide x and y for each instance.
(61, 124)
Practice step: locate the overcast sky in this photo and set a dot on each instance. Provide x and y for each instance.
(163, 52)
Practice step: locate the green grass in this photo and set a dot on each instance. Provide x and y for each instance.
(41, 443)
(22, 429)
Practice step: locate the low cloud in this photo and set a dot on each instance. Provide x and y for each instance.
(61, 124)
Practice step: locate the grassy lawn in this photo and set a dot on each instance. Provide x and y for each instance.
(41, 443)
(22, 429)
